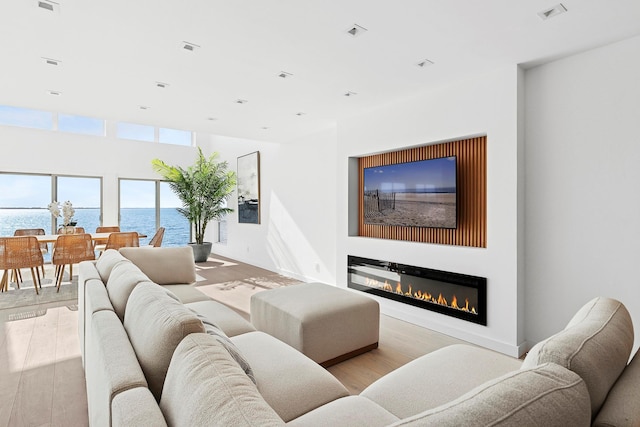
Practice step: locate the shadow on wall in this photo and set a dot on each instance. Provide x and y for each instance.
(287, 246)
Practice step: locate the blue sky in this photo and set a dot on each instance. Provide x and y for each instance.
(34, 191)
(422, 175)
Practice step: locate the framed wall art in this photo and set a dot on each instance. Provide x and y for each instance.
(249, 188)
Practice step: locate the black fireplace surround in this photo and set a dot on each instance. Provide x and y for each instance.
(453, 294)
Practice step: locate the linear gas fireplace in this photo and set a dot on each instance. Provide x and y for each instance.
(453, 294)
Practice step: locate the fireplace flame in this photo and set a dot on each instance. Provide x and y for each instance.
(424, 296)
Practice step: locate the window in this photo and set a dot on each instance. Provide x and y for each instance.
(141, 211)
(174, 136)
(25, 117)
(135, 131)
(84, 195)
(80, 124)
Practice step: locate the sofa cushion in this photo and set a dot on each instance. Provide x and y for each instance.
(547, 395)
(211, 329)
(123, 278)
(451, 372)
(156, 323)
(222, 316)
(352, 411)
(106, 262)
(621, 407)
(164, 266)
(596, 345)
(205, 387)
(290, 382)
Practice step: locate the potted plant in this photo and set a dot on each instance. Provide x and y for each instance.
(202, 188)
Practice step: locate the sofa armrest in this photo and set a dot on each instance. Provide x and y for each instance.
(136, 407)
(111, 366)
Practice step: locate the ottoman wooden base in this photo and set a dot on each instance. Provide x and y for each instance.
(326, 323)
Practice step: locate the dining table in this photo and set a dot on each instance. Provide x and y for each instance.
(96, 237)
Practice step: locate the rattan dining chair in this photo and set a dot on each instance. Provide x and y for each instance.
(71, 249)
(44, 248)
(76, 230)
(20, 252)
(122, 239)
(156, 240)
(105, 229)
(108, 229)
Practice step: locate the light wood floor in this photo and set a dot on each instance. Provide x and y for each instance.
(42, 380)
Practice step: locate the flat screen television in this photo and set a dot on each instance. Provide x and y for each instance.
(413, 194)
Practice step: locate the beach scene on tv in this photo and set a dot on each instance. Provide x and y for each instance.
(415, 194)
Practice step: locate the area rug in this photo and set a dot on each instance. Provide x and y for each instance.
(26, 295)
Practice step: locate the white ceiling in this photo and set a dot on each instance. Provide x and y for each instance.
(113, 52)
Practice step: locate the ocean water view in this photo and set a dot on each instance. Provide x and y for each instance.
(141, 220)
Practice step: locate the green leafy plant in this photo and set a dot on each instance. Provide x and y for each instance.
(202, 188)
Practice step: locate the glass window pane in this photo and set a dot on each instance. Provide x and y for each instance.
(80, 124)
(174, 136)
(25, 117)
(138, 207)
(84, 195)
(23, 202)
(135, 131)
(177, 230)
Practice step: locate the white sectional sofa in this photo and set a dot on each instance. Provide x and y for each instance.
(158, 352)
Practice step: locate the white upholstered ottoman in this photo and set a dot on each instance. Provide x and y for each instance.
(326, 323)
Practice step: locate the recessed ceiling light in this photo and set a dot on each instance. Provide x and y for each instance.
(48, 5)
(51, 61)
(425, 63)
(211, 119)
(54, 92)
(551, 12)
(300, 113)
(350, 93)
(356, 30)
(144, 107)
(189, 46)
(265, 127)
(284, 75)
(241, 101)
(162, 85)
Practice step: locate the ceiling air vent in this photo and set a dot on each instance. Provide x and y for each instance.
(188, 46)
(350, 93)
(284, 75)
(51, 61)
(356, 30)
(551, 12)
(241, 101)
(425, 63)
(48, 5)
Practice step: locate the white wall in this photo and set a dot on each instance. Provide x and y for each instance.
(485, 105)
(296, 235)
(582, 185)
(49, 152)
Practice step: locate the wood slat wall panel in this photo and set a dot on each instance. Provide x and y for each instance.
(472, 194)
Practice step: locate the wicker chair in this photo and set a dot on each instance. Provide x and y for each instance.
(71, 249)
(34, 232)
(77, 230)
(108, 229)
(156, 240)
(122, 239)
(105, 229)
(20, 252)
